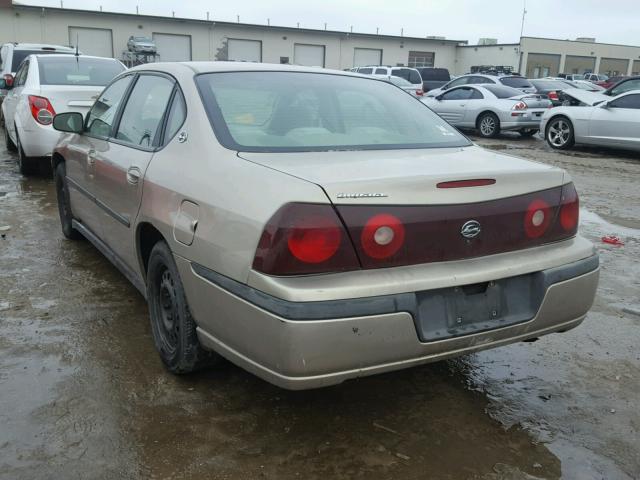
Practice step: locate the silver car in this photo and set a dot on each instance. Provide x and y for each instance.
(141, 45)
(315, 226)
(599, 120)
(514, 81)
(490, 109)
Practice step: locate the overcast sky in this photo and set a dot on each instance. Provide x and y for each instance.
(459, 19)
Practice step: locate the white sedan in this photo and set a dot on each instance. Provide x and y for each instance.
(43, 86)
(601, 120)
(490, 109)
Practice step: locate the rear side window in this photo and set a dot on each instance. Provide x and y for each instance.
(72, 70)
(142, 115)
(177, 116)
(102, 114)
(516, 82)
(408, 74)
(626, 86)
(436, 74)
(501, 91)
(20, 55)
(381, 71)
(367, 71)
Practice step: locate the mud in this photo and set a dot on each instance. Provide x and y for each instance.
(83, 394)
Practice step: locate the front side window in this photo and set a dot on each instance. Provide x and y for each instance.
(458, 94)
(102, 114)
(626, 87)
(72, 70)
(21, 74)
(287, 111)
(142, 115)
(458, 81)
(628, 101)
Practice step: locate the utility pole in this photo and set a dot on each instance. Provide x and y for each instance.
(524, 13)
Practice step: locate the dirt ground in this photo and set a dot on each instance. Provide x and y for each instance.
(83, 394)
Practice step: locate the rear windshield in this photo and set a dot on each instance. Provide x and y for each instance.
(439, 74)
(408, 74)
(549, 85)
(291, 111)
(516, 82)
(74, 70)
(501, 91)
(400, 82)
(20, 55)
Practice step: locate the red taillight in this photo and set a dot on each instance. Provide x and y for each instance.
(519, 106)
(41, 110)
(419, 92)
(569, 209)
(553, 96)
(303, 239)
(8, 79)
(537, 218)
(382, 236)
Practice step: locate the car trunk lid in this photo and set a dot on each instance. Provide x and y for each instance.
(71, 98)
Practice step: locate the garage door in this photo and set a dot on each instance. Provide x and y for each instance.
(93, 41)
(578, 64)
(308, 55)
(542, 65)
(614, 66)
(366, 56)
(173, 48)
(244, 50)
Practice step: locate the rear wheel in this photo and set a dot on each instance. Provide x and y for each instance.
(7, 140)
(488, 125)
(528, 132)
(559, 133)
(173, 327)
(26, 165)
(64, 205)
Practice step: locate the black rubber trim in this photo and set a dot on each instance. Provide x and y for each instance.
(358, 307)
(119, 218)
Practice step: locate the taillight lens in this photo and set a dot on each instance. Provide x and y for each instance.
(8, 79)
(569, 209)
(419, 92)
(520, 106)
(382, 236)
(537, 218)
(553, 96)
(302, 239)
(41, 109)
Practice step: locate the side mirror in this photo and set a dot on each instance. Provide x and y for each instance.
(445, 87)
(439, 97)
(7, 81)
(71, 122)
(604, 105)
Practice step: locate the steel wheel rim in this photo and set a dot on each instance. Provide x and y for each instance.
(487, 126)
(167, 309)
(559, 133)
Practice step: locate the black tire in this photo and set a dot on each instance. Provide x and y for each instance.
(8, 142)
(64, 204)
(26, 165)
(488, 125)
(559, 133)
(528, 132)
(173, 327)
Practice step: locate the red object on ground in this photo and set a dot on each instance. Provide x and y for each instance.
(612, 240)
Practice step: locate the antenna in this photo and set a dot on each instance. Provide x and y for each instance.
(77, 42)
(524, 13)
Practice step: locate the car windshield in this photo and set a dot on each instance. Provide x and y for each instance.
(142, 39)
(74, 70)
(501, 91)
(549, 84)
(291, 111)
(408, 74)
(516, 82)
(20, 55)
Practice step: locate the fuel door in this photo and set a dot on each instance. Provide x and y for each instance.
(186, 224)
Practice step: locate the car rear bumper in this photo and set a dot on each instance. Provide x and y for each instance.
(38, 140)
(526, 120)
(301, 345)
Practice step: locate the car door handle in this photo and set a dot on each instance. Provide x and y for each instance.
(91, 157)
(133, 175)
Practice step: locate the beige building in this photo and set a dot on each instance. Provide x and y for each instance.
(178, 39)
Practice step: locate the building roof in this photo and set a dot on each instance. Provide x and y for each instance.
(238, 24)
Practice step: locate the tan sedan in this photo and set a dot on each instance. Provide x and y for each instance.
(314, 226)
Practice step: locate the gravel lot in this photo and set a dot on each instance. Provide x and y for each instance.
(83, 393)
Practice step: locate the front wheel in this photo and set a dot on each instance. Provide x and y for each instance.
(488, 125)
(173, 327)
(559, 133)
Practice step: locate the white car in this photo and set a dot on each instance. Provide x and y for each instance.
(411, 75)
(490, 109)
(600, 120)
(43, 86)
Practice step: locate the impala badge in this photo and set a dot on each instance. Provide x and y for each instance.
(470, 229)
(362, 195)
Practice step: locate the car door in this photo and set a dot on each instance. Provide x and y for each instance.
(617, 124)
(13, 97)
(81, 154)
(474, 106)
(120, 170)
(452, 104)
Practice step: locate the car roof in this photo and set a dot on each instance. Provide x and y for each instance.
(40, 46)
(66, 55)
(215, 67)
